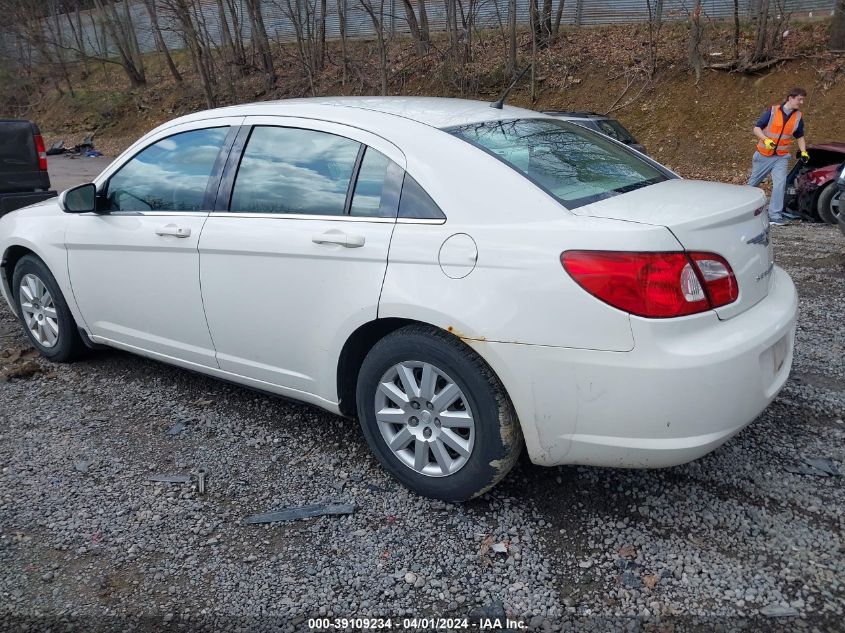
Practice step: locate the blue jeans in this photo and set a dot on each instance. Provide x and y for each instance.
(777, 166)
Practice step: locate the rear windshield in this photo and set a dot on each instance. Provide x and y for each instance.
(573, 164)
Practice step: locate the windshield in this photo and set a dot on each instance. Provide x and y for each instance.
(574, 165)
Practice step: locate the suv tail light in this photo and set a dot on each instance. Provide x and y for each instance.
(42, 152)
(655, 285)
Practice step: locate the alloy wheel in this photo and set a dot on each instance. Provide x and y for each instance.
(425, 418)
(39, 311)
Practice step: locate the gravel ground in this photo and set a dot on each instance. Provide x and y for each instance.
(733, 541)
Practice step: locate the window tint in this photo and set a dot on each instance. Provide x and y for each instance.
(377, 186)
(288, 170)
(169, 175)
(416, 203)
(574, 165)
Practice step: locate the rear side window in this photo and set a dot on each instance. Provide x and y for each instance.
(169, 175)
(416, 203)
(377, 186)
(290, 170)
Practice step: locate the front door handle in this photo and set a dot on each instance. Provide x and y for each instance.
(173, 230)
(339, 237)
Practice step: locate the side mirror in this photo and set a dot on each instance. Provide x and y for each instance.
(81, 199)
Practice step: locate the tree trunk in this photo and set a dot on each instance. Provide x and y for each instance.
(237, 36)
(425, 33)
(736, 29)
(837, 27)
(112, 25)
(696, 30)
(341, 21)
(259, 36)
(159, 38)
(321, 37)
(511, 38)
(546, 24)
(558, 17)
(762, 23)
(413, 27)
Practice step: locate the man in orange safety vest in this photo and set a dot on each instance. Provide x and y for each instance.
(775, 130)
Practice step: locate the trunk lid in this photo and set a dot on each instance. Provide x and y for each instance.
(705, 216)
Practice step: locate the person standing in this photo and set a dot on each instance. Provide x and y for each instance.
(775, 130)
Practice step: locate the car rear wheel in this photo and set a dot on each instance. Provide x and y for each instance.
(435, 415)
(827, 204)
(43, 310)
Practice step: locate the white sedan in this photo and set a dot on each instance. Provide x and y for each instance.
(465, 280)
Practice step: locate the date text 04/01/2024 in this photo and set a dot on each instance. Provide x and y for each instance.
(482, 624)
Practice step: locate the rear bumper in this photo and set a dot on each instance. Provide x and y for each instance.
(13, 201)
(688, 385)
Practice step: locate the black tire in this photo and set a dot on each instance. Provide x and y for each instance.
(498, 437)
(68, 346)
(823, 203)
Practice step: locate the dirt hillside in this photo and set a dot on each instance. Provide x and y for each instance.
(699, 128)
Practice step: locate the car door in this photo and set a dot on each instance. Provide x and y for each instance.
(134, 265)
(293, 259)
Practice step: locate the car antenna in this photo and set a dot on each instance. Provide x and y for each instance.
(500, 102)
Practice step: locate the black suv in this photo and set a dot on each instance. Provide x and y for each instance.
(600, 123)
(23, 165)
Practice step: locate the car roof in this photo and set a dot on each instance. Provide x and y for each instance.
(438, 112)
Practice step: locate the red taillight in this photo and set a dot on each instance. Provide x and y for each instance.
(42, 152)
(718, 278)
(656, 285)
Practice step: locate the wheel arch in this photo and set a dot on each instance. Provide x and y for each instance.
(11, 256)
(362, 340)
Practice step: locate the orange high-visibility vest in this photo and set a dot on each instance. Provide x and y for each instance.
(780, 130)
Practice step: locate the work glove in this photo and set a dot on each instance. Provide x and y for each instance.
(804, 156)
(769, 143)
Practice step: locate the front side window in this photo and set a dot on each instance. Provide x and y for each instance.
(291, 170)
(575, 166)
(170, 175)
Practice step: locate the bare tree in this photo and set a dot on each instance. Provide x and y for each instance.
(696, 31)
(376, 12)
(837, 27)
(262, 44)
(736, 30)
(341, 19)
(762, 19)
(123, 34)
(414, 28)
(511, 37)
(197, 46)
(558, 16)
(160, 43)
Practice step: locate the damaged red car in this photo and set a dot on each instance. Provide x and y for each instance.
(811, 190)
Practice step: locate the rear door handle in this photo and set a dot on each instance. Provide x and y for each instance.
(339, 237)
(173, 230)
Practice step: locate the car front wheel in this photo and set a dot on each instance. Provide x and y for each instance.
(43, 310)
(435, 415)
(828, 205)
